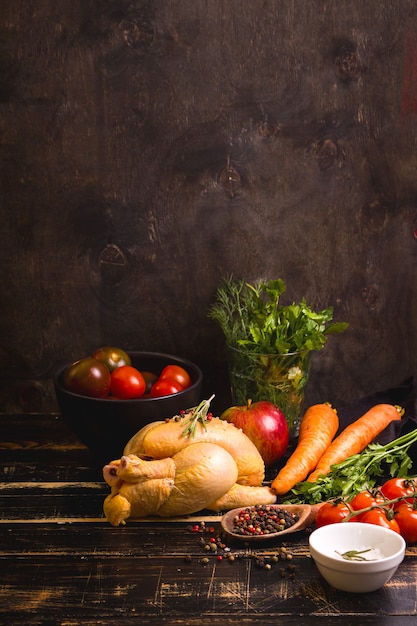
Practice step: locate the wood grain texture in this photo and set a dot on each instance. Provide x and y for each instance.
(121, 124)
(62, 562)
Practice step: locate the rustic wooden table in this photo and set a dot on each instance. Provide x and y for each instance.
(62, 563)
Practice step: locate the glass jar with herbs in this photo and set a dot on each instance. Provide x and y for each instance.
(269, 345)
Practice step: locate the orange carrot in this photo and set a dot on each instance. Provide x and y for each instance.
(317, 429)
(355, 437)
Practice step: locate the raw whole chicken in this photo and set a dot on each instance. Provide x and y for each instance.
(183, 465)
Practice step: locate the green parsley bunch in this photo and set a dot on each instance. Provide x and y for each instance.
(253, 319)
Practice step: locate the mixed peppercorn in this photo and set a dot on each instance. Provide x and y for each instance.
(262, 520)
(213, 545)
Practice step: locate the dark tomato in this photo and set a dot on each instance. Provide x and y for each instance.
(127, 383)
(112, 357)
(399, 488)
(88, 377)
(364, 500)
(165, 387)
(331, 513)
(150, 379)
(178, 373)
(406, 518)
(378, 516)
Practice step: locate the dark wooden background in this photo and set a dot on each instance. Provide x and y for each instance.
(148, 148)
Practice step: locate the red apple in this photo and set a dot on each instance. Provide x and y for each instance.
(265, 424)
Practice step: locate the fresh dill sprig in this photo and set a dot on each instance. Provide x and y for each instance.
(253, 319)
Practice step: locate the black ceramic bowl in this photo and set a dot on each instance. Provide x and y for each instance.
(105, 425)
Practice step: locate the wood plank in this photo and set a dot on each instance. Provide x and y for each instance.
(42, 448)
(71, 617)
(53, 506)
(47, 468)
(154, 536)
(26, 430)
(149, 585)
(65, 564)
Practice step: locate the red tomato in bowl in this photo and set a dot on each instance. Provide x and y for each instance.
(165, 387)
(150, 379)
(178, 373)
(127, 383)
(88, 377)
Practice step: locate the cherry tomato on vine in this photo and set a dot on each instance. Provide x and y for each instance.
(165, 387)
(406, 518)
(398, 488)
(331, 513)
(88, 377)
(378, 517)
(178, 373)
(364, 500)
(127, 382)
(112, 357)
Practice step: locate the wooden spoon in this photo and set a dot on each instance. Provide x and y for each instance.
(306, 515)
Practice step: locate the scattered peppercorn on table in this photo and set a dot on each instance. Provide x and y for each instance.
(63, 563)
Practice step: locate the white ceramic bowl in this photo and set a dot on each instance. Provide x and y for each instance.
(329, 542)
